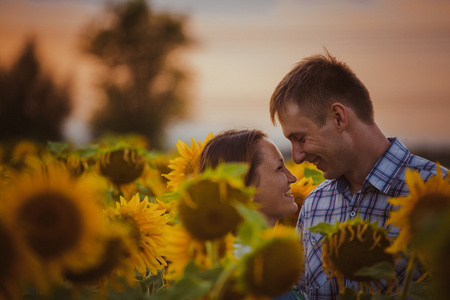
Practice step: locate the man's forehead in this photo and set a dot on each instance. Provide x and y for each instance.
(290, 109)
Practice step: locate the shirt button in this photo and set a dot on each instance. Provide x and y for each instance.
(313, 241)
(353, 213)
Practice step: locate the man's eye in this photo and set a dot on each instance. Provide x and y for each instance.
(301, 139)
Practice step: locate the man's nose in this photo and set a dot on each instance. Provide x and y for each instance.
(298, 155)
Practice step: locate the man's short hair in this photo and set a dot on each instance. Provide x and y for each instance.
(318, 81)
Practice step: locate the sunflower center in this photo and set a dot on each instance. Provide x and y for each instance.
(357, 248)
(206, 214)
(427, 207)
(51, 222)
(133, 227)
(7, 253)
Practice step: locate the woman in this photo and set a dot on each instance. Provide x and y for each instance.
(267, 171)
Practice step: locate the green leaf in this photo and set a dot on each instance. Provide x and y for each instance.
(381, 270)
(57, 147)
(324, 228)
(250, 229)
(235, 169)
(316, 175)
(422, 291)
(193, 285)
(88, 151)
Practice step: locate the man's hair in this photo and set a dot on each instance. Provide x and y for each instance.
(315, 83)
(234, 146)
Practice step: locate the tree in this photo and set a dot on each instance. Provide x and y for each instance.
(143, 91)
(32, 106)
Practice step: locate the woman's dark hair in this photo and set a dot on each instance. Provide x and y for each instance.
(234, 146)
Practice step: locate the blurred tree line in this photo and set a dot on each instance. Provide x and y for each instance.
(144, 90)
(32, 105)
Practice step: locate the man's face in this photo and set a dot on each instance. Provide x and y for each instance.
(324, 146)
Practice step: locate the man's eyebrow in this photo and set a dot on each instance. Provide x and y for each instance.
(293, 135)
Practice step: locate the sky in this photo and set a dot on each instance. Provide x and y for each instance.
(399, 49)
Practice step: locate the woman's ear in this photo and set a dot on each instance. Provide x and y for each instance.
(339, 116)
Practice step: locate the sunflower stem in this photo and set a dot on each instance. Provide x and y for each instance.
(218, 289)
(118, 191)
(409, 273)
(212, 248)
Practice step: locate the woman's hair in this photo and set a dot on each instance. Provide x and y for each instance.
(234, 146)
(318, 81)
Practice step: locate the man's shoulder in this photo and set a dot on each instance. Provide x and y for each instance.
(399, 155)
(392, 166)
(425, 167)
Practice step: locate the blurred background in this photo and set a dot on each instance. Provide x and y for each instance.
(73, 70)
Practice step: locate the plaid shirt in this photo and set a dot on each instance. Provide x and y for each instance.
(332, 201)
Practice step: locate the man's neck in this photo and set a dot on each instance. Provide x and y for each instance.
(370, 144)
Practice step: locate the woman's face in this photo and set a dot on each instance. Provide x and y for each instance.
(274, 187)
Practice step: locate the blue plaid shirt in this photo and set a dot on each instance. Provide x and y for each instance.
(332, 201)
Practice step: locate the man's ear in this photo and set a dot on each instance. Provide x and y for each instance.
(339, 115)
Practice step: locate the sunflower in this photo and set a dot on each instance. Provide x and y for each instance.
(122, 166)
(305, 170)
(147, 225)
(4, 176)
(169, 208)
(75, 164)
(57, 216)
(308, 178)
(425, 201)
(184, 166)
(160, 162)
(300, 189)
(135, 141)
(111, 264)
(18, 266)
(206, 204)
(181, 248)
(275, 264)
(352, 246)
(22, 149)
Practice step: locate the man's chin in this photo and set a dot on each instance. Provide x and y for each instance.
(327, 175)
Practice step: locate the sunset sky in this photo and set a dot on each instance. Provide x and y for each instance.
(399, 49)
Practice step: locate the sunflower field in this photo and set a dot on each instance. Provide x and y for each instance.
(114, 220)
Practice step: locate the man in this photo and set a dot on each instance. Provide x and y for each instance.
(326, 113)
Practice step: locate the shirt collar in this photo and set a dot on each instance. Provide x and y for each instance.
(389, 166)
